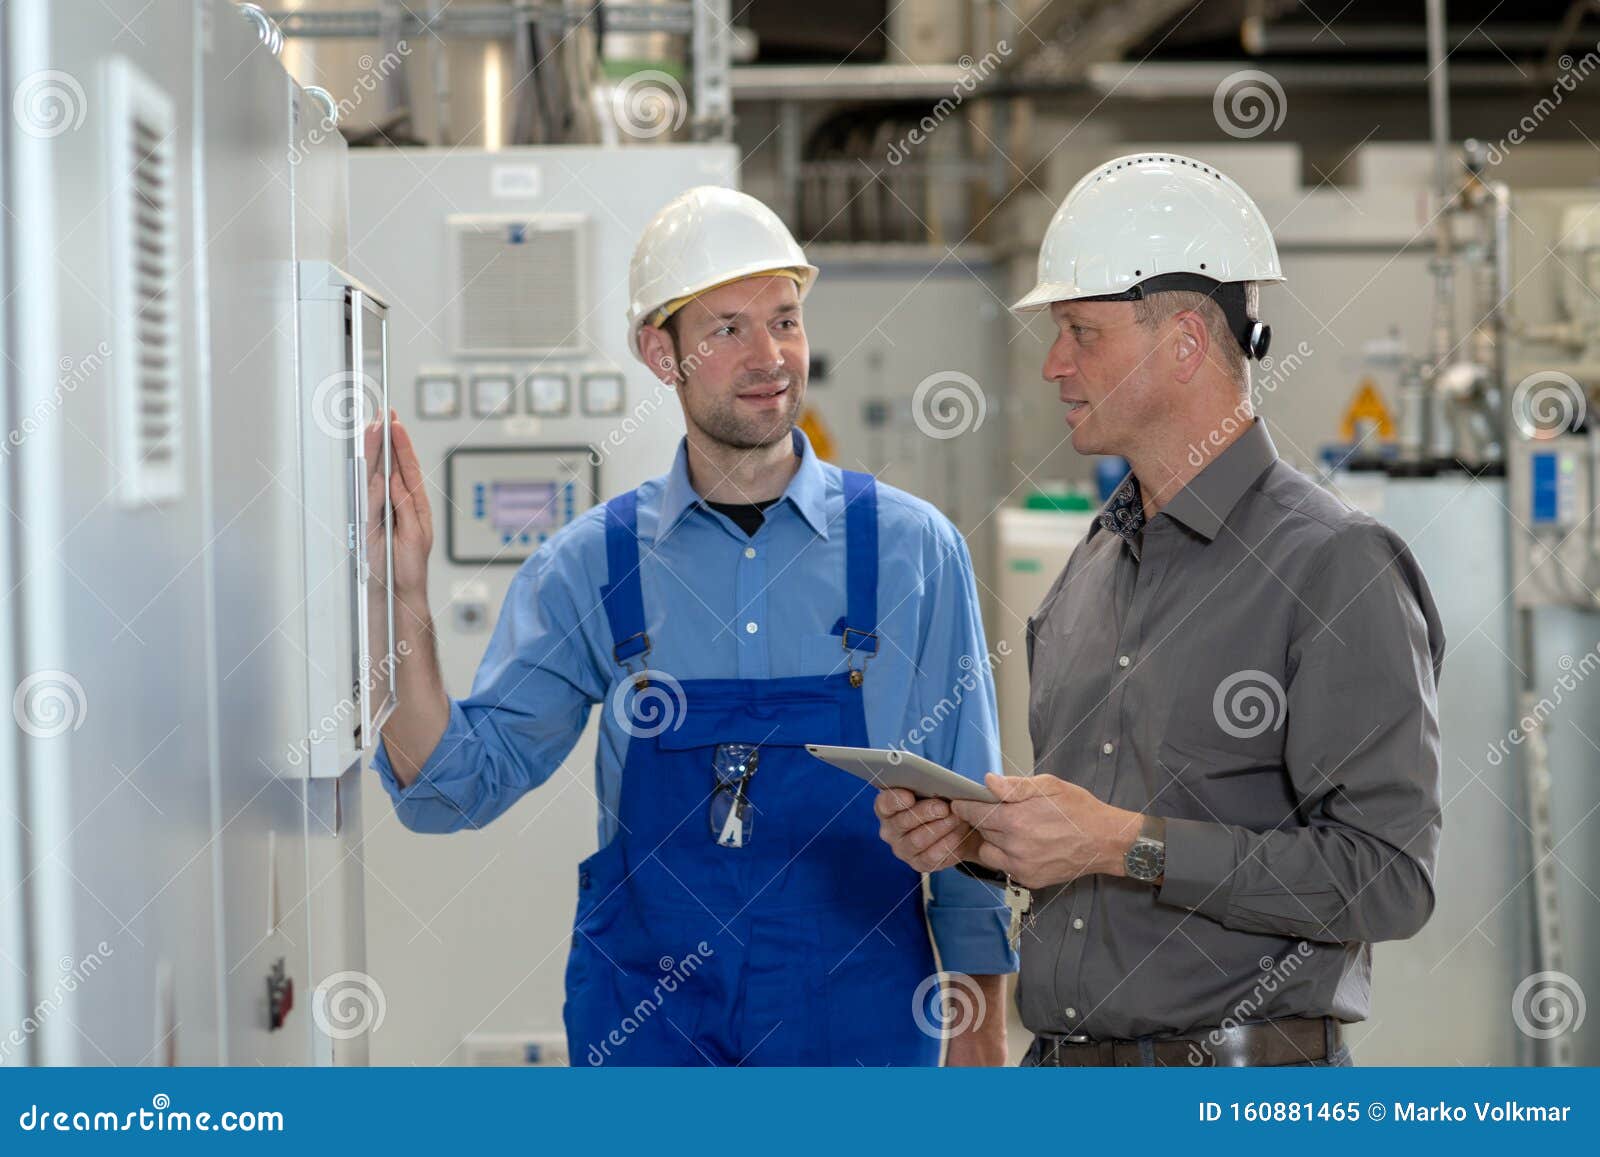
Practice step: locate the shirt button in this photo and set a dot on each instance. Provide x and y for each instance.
(1072, 1014)
(1106, 748)
(750, 552)
(750, 628)
(1123, 660)
(1077, 923)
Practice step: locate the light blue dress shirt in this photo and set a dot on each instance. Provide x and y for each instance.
(720, 605)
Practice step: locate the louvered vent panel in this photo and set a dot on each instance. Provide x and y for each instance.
(149, 409)
(519, 284)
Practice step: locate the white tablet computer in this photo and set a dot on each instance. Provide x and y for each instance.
(921, 777)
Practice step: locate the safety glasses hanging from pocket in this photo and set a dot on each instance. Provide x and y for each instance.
(732, 816)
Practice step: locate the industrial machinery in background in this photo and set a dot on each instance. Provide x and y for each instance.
(520, 73)
(199, 644)
(1493, 486)
(1553, 470)
(1516, 394)
(507, 274)
(908, 364)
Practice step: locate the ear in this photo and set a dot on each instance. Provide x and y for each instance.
(660, 354)
(1191, 344)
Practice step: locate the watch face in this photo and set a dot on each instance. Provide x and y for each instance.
(1146, 860)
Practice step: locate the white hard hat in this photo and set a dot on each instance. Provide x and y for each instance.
(704, 238)
(1150, 222)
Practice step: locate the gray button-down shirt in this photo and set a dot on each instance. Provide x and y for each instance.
(1257, 664)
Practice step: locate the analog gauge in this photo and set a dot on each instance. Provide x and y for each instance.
(438, 396)
(492, 395)
(602, 394)
(548, 395)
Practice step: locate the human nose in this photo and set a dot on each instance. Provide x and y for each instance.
(1058, 366)
(765, 352)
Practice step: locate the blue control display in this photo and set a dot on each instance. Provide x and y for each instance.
(1546, 489)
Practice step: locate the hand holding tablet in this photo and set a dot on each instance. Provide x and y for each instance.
(883, 769)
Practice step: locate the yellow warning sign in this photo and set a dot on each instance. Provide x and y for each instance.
(1367, 406)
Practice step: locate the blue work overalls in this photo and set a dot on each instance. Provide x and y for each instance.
(805, 946)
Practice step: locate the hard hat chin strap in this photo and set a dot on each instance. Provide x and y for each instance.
(1254, 335)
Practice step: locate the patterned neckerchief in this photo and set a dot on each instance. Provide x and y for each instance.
(1123, 513)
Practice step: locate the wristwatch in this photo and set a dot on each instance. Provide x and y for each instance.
(1146, 859)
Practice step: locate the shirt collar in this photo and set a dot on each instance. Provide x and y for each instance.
(807, 490)
(1206, 501)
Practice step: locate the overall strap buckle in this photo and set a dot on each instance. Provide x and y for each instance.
(639, 650)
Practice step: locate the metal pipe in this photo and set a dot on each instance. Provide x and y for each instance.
(441, 84)
(1159, 80)
(1443, 259)
(1500, 362)
(1300, 39)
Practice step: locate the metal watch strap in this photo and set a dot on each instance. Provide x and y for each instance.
(1151, 842)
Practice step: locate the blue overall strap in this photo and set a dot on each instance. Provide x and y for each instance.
(622, 596)
(859, 627)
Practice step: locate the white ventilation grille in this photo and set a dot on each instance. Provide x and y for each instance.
(141, 146)
(519, 284)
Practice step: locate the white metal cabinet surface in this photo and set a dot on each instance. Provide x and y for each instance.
(107, 526)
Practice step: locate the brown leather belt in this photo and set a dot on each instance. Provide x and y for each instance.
(1289, 1041)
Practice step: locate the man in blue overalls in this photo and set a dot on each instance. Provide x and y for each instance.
(752, 600)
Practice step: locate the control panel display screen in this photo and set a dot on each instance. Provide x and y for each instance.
(506, 501)
(520, 507)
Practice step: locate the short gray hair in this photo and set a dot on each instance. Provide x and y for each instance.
(1227, 351)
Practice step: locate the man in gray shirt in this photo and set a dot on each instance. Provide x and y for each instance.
(1233, 714)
